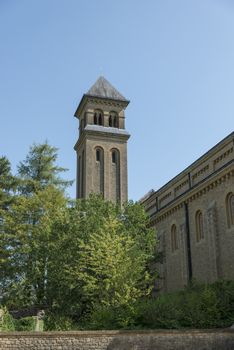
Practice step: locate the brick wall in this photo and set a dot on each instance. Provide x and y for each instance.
(203, 187)
(117, 340)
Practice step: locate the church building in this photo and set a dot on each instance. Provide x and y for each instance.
(193, 218)
(193, 214)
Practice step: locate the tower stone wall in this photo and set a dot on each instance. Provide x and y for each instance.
(102, 144)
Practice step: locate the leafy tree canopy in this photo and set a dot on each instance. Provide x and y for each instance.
(71, 258)
(8, 183)
(39, 169)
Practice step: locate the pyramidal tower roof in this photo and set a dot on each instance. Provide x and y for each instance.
(102, 88)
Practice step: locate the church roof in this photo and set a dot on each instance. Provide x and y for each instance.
(102, 88)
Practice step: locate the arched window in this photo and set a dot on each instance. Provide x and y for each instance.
(199, 226)
(230, 209)
(113, 155)
(110, 120)
(115, 122)
(174, 238)
(98, 156)
(100, 119)
(115, 170)
(114, 119)
(95, 119)
(98, 171)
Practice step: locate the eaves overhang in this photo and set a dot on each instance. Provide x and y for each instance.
(86, 97)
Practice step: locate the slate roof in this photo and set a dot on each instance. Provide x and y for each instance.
(102, 88)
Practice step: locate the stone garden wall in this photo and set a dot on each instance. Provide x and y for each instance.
(119, 340)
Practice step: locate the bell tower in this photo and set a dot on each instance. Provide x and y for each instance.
(102, 144)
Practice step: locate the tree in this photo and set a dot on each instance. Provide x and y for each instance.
(25, 228)
(8, 184)
(25, 242)
(39, 170)
(96, 260)
(72, 257)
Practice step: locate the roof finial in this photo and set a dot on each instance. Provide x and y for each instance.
(101, 71)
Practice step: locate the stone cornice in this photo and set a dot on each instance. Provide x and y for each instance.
(193, 193)
(202, 160)
(91, 134)
(99, 101)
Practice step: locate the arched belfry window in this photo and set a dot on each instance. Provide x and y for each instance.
(98, 117)
(199, 226)
(95, 118)
(230, 209)
(113, 120)
(174, 238)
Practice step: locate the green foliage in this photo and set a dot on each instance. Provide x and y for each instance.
(8, 184)
(6, 320)
(111, 317)
(39, 170)
(56, 322)
(26, 243)
(73, 258)
(160, 312)
(25, 227)
(198, 306)
(96, 260)
(25, 324)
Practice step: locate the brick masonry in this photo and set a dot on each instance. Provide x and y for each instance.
(119, 340)
(203, 187)
(102, 175)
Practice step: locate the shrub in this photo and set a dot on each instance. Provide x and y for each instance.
(111, 317)
(161, 312)
(198, 306)
(25, 324)
(6, 321)
(57, 322)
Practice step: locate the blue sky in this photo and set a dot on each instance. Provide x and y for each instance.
(173, 59)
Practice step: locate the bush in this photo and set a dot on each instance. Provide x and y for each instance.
(57, 322)
(6, 321)
(110, 317)
(225, 294)
(198, 306)
(161, 312)
(25, 324)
